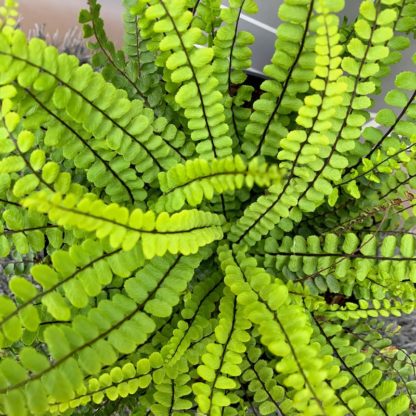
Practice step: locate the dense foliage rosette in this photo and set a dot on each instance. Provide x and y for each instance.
(180, 243)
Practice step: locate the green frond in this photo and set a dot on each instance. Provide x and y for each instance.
(262, 216)
(285, 330)
(189, 76)
(115, 69)
(347, 264)
(9, 14)
(97, 106)
(141, 62)
(232, 57)
(73, 278)
(305, 150)
(222, 358)
(288, 77)
(268, 394)
(383, 152)
(98, 338)
(199, 179)
(206, 16)
(184, 232)
(171, 391)
(195, 316)
(23, 156)
(24, 232)
(356, 99)
(361, 377)
(119, 382)
(232, 47)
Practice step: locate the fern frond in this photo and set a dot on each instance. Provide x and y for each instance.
(388, 148)
(98, 338)
(102, 110)
(268, 394)
(68, 283)
(189, 74)
(366, 310)
(356, 99)
(141, 62)
(268, 306)
(231, 47)
(232, 55)
(206, 16)
(303, 151)
(289, 76)
(27, 231)
(222, 358)
(196, 314)
(387, 356)
(346, 263)
(115, 69)
(198, 179)
(171, 389)
(119, 382)
(184, 232)
(361, 380)
(8, 14)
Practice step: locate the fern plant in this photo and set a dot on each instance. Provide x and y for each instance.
(176, 242)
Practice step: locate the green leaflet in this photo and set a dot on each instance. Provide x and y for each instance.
(178, 237)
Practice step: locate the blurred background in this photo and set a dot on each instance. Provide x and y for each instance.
(62, 15)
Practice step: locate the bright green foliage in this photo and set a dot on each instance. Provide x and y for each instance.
(198, 179)
(188, 74)
(8, 13)
(232, 57)
(141, 65)
(114, 66)
(176, 246)
(183, 232)
(360, 266)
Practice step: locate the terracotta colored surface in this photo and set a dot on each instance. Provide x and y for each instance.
(63, 14)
